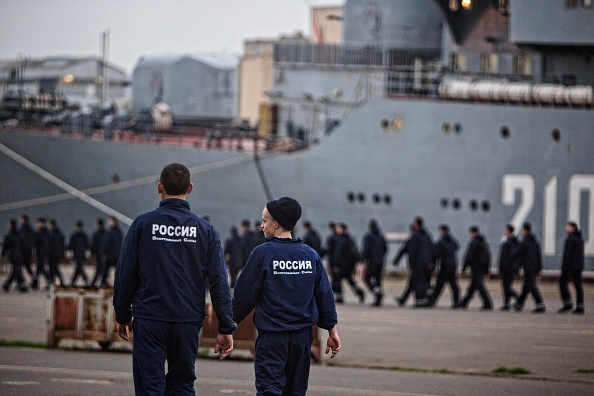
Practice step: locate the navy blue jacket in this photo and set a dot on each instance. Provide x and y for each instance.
(166, 256)
(507, 247)
(12, 246)
(114, 242)
(79, 243)
(573, 253)
(374, 248)
(445, 252)
(285, 281)
(528, 254)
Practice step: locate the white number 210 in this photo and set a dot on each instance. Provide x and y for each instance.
(525, 184)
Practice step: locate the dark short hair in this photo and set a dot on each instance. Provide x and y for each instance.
(572, 224)
(245, 223)
(25, 218)
(175, 179)
(527, 226)
(331, 224)
(12, 224)
(79, 223)
(373, 224)
(419, 221)
(42, 220)
(444, 227)
(510, 228)
(100, 222)
(306, 224)
(473, 229)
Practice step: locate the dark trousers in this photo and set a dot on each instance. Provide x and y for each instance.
(477, 284)
(421, 282)
(100, 264)
(41, 270)
(576, 277)
(409, 288)
(373, 277)
(233, 274)
(54, 269)
(110, 262)
(282, 362)
(79, 271)
(507, 278)
(530, 287)
(446, 274)
(157, 342)
(16, 275)
(27, 258)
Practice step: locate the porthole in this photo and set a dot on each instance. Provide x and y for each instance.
(457, 128)
(361, 197)
(556, 135)
(486, 206)
(445, 127)
(456, 203)
(115, 178)
(444, 203)
(376, 198)
(350, 196)
(473, 205)
(385, 124)
(388, 199)
(397, 123)
(505, 132)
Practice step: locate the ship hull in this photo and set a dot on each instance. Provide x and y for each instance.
(461, 164)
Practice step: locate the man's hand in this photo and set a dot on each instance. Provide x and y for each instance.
(123, 330)
(224, 345)
(333, 342)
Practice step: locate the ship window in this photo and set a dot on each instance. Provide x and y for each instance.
(458, 61)
(376, 198)
(388, 199)
(444, 203)
(473, 205)
(522, 64)
(453, 5)
(350, 196)
(361, 197)
(571, 3)
(456, 203)
(505, 132)
(486, 206)
(397, 123)
(445, 127)
(457, 128)
(115, 178)
(385, 124)
(556, 135)
(489, 62)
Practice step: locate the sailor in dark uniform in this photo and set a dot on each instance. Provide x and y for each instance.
(12, 247)
(528, 252)
(478, 258)
(508, 269)
(160, 281)
(445, 256)
(572, 268)
(285, 282)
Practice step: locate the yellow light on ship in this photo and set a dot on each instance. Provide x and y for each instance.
(466, 3)
(68, 78)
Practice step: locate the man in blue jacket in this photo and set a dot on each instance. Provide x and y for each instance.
(285, 281)
(160, 281)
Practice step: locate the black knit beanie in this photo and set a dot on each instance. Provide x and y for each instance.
(286, 211)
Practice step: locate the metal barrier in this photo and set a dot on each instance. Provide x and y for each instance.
(78, 313)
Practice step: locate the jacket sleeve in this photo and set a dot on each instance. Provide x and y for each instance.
(324, 298)
(220, 293)
(248, 287)
(126, 276)
(403, 250)
(470, 253)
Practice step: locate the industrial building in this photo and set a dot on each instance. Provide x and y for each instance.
(87, 81)
(192, 85)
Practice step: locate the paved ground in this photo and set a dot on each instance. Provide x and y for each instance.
(380, 345)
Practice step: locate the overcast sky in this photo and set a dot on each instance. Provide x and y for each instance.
(39, 28)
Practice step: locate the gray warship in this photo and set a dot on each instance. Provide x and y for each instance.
(463, 112)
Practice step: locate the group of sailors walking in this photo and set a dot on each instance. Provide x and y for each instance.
(48, 245)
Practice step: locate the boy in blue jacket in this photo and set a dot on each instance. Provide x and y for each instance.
(160, 281)
(285, 281)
